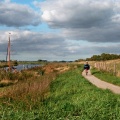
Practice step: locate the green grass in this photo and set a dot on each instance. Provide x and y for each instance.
(71, 97)
(106, 76)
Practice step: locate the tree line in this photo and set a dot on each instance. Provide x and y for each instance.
(103, 57)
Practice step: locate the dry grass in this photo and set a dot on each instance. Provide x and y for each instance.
(32, 86)
(111, 66)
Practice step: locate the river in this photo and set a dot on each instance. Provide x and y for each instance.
(24, 66)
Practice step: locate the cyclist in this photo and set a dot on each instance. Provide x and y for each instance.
(86, 67)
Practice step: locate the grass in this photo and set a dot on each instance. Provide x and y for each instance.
(73, 98)
(111, 66)
(106, 76)
(69, 97)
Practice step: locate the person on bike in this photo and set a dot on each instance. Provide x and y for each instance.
(86, 67)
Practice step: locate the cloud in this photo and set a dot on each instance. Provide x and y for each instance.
(28, 45)
(113, 48)
(90, 20)
(16, 15)
(75, 27)
(38, 45)
(105, 34)
(77, 13)
(7, 1)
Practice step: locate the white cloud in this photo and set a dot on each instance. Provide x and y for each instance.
(7, 1)
(28, 45)
(81, 23)
(16, 15)
(77, 13)
(90, 20)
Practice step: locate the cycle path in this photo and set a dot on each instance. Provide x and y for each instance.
(101, 84)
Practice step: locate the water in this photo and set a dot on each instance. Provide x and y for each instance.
(25, 66)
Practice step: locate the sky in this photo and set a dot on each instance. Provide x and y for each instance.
(57, 30)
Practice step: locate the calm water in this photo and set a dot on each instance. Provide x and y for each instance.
(25, 66)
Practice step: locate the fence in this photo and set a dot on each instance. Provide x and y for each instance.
(112, 67)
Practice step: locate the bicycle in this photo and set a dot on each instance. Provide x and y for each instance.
(86, 71)
(86, 67)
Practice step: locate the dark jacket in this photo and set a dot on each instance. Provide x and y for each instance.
(87, 66)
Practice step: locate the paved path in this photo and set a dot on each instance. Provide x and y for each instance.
(101, 84)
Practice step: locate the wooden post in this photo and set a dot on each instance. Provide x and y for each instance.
(114, 69)
(105, 66)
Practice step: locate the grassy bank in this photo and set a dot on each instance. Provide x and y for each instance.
(106, 76)
(70, 97)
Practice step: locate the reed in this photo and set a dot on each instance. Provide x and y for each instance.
(31, 85)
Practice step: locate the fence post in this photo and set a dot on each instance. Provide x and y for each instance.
(114, 69)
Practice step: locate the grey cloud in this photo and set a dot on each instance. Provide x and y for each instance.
(37, 42)
(33, 43)
(3, 47)
(30, 45)
(115, 49)
(78, 13)
(90, 20)
(105, 34)
(95, 49)
(14, 15)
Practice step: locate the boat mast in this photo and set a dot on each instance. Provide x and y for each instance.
(9, 65)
